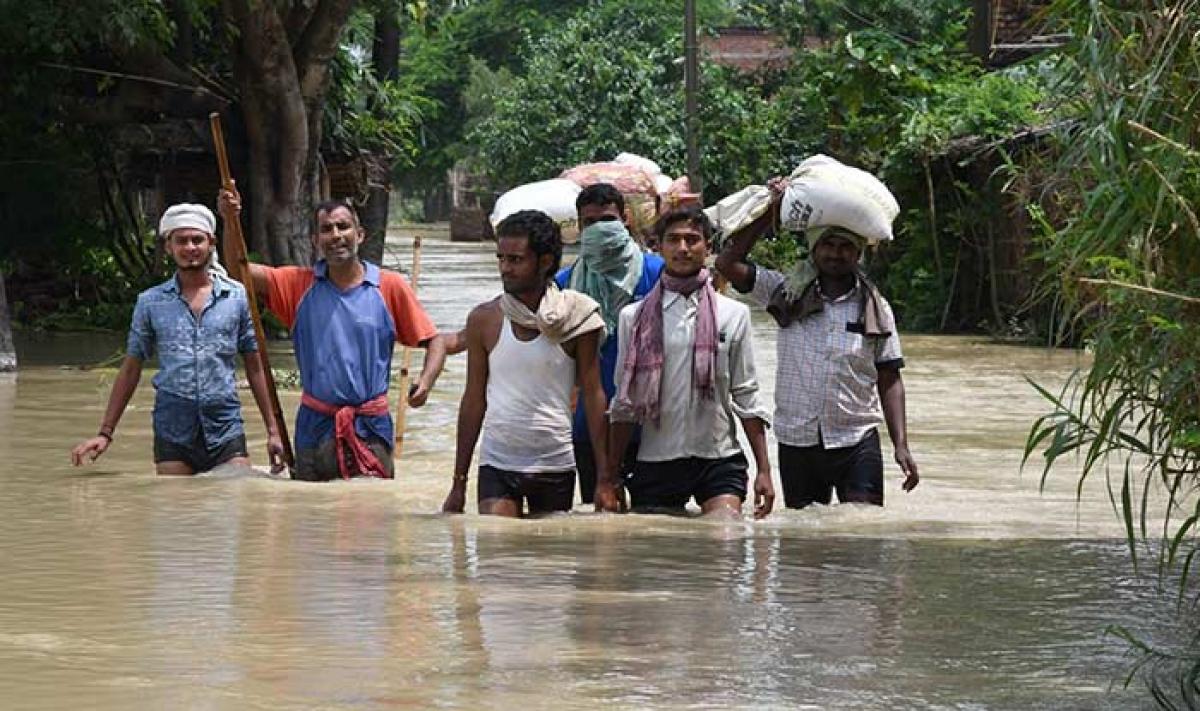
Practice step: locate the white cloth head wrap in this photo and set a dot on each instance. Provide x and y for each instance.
(195, 216)
(187, 214)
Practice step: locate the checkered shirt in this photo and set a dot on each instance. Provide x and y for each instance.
(825, 380)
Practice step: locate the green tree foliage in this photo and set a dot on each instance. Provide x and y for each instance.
(1126, 266)
(799, 22)
(89, 84)
(70, 227)
(366, 112)
(442, 49)
(608, 80)
(599, 83)
(441, 52)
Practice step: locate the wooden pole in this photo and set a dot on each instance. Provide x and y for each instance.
(406, 362)
(691, 90)
(239, 265)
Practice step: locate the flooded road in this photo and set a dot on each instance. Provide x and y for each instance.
(234, 591)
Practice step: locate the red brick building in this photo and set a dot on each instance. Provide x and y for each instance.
(746, 49)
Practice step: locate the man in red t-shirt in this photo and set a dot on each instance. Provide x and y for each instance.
(345, 316)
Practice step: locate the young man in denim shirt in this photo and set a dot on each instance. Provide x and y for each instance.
(195, 322)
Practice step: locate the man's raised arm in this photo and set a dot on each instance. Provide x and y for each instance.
(229, 204)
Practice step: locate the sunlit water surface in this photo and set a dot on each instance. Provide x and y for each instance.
(237, 591)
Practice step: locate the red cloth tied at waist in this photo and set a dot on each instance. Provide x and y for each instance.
(346, 439)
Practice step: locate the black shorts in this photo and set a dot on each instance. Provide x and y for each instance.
(810, 474)
(197, 455)
(545, 491)
(667, 486)
(585, 464)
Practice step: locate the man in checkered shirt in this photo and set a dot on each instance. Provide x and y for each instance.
(838, 372)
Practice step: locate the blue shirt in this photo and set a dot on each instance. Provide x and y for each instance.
(195, 390)
(344, 342)
(652, 266)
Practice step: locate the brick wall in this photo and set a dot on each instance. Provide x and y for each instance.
(746, 49)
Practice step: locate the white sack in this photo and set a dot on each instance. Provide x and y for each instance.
(650, 167)
(554, 197)
(662, 183)
(826, 193)
(739, 209)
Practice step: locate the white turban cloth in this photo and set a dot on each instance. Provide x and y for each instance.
(195, 216)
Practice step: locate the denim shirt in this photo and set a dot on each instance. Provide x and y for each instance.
(195, 387)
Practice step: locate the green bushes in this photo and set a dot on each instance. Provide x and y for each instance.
(1126, 267)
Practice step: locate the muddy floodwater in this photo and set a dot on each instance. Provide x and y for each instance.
(237, 591)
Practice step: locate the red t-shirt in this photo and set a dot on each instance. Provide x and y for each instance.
(286, 287)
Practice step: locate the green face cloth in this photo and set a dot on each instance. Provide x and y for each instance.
(609, 268)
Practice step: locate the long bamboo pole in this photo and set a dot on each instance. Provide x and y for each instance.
(239, 265)
(406, 362)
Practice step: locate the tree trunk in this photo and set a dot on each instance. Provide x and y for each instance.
(385, 64)
(8, 352)
(281, 66)
(385, 50)
(374, 214)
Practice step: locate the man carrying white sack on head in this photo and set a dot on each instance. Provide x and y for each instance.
(838, 352)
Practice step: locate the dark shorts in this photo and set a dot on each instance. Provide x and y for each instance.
(585, 464)
(545, 491)
(197, 455)
(810, 474)
(320, 464)
(667, 486)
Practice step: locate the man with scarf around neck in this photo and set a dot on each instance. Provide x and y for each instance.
(685, 372)
(838, 366)
(346, 316)
(614, 271)
(195, 322)
(526, 351)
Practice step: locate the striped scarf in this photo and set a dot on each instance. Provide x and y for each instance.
(641, 377)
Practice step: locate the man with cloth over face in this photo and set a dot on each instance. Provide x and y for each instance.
(195, 322)
(838, 372)
(613, 270)
(526, 351)
(345, 316)
(685, 372)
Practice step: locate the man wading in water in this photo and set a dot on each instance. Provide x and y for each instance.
(195, 321)
(345, 316)
(526, 351)
(613, 271)
(685, 371)
(838, 359)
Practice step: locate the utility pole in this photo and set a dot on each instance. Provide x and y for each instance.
(691, 87)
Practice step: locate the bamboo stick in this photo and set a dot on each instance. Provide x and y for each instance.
(406, 363)
(239, 265)
(1143, 289)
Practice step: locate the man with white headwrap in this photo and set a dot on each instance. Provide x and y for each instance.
(838, 364)
(195, 322)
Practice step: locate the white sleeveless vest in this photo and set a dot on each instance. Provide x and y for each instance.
(527, 427)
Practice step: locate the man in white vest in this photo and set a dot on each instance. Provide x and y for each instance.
(527, 350)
